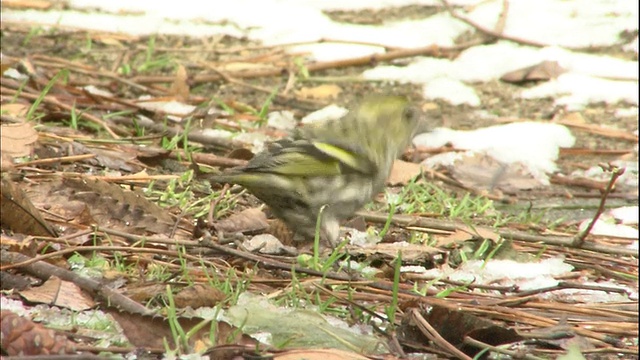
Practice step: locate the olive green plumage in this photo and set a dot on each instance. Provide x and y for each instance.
(340, 163)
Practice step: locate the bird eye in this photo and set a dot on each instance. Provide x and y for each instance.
(409, 114)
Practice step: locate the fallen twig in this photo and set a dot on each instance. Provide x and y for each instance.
(433, 335)
(616, 172)
(431, 50)
(44, 271)
(407, 220)
(492, 33)
(60, 159)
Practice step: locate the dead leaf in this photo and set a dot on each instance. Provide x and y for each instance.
(15, 109)
(106, 39)
(120, 160)
(282, 232)
(180, 88)
(430, 106)
(59, 293)
(150, 332)
(410, 252)
(322, 92)
(319, 354)
(574, 118)
(454, 326)
(545, 70)
(169, 106)
(14, 282)
(483, 233)
(249, 220)
(17, 242)
(482, 172)
(144, 293)
(87, 201)
(455, 237)
(17, 139)
(19, 214)
(267, 244)
(402, 172)
(198, 296)
(460, 235)
(143, 331)
(27, 4)
(6, 162)
(241, 154)
(244, 66)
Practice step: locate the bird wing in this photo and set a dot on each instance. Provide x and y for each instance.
(309, 158)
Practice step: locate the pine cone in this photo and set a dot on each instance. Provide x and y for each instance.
(21, 336)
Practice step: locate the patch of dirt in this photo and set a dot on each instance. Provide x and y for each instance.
(381, 16)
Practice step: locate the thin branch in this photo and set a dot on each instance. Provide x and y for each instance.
(489, 32)
(44, 271)
(566, 241)
(430, 50)
(434, 336)
(616, 172)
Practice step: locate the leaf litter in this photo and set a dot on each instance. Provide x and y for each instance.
(450, 294)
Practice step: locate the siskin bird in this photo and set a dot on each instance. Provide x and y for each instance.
(331, 168)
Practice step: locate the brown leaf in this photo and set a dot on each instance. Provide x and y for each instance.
(244, 66)
(282, 232)
(6, 162)
(143, 331)
(147, 332)
(17, 139)
(152, 156)
(180, 88)
(16, 109)
(241, 154)
(27, 4)
(318, 354)
(410, 252)
(18, 213)
(454, 237)
(482, 172)
(455, 325)
(545, 70)
(198, 295)
(119, 160)
(106, 39)
(145, 292)
(576, 120)
(59, 293)
(402, 172)
(249, 220)
(460, 235)
(111, 206)
(322, 92)
(14, 282)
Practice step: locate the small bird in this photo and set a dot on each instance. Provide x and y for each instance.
(329, 169)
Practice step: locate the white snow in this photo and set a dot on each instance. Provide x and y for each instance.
(575, 91)
(535, 144)
(455, 91)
